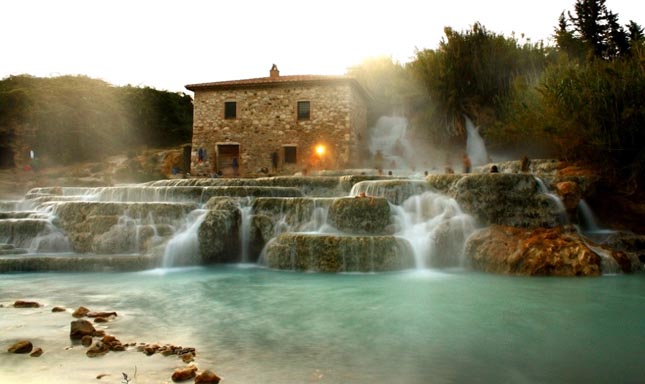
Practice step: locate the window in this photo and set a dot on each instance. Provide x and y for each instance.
(304, 110)
(290, 154)
(230, 110)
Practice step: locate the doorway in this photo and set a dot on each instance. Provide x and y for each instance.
(228, 159)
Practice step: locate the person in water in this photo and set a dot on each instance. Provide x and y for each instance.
(466, 163)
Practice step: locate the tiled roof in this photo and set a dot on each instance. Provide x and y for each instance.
(277, 81)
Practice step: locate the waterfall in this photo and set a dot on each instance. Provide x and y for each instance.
(587, 219)
(435, 227)
(475, 147)
(183, 248)
(562, 210)
(245, 232)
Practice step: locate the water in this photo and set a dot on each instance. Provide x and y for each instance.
(475, 147)
(255, 325)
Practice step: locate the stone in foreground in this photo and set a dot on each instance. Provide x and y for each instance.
(537, 252)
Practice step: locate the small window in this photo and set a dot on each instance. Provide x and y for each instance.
(290, 155)
(230, 110)
(304, 110)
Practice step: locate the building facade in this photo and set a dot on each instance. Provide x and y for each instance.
(278, 125)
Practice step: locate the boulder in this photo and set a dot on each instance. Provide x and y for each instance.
(22, 346)
(97, 349)
(360, 215)
(25, 304)
(207, 377)
(80, 328)
(532, 252)
(37, 352)
(80, 312)
(184, 374)
(59, 309)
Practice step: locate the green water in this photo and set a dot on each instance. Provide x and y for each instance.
(253, 325)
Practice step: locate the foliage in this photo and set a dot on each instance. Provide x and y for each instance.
(471, 74)
(388, 84)
(593, 31)
(599, 112)
(75, 118)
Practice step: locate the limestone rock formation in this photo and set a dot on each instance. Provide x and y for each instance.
(219, 236)
(329, 253)
(360, 215)
(532, 252)
(114, 227)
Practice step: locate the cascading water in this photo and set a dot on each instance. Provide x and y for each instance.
(436, 229)
(183, 248)
(245, 231)
(562, 211)
(475, 147)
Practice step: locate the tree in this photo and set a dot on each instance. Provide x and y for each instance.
(595, 32)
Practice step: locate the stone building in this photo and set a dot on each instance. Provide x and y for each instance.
(278, 124)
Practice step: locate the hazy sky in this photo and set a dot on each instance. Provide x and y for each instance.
(168, 44)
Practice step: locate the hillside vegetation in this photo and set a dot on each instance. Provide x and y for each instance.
(580, 100)
(73, 119)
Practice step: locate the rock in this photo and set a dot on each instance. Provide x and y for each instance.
(80, 328)
(207, 377)
(25, 304)
(22, 346)
(86, 340)
(100, 320)
(332, 253)
(101, 314)
(58, 309)
(506, 199)
(187, 357)
(394, 191)
(99, 333)
(94, 226)
(80, 312)
(360, 215)
(532, 252)
(183, 374)
(623, 261)
(98, 349)
(113, 343)
(36, 352)
(569, 193)
(219, 240)
(150, 349)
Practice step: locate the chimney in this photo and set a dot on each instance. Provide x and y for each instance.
(274, 73)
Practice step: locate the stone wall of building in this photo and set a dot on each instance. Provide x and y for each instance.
(266, 121)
